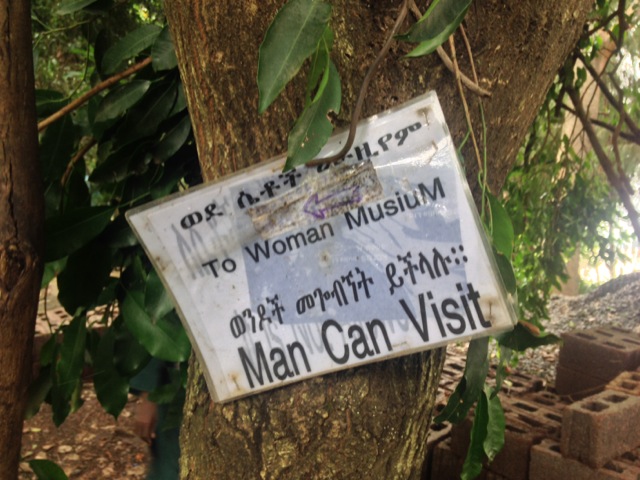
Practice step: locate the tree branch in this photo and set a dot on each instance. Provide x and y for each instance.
(72, 163)
(604, 160)
(78, 102)
(609, 96)
(599, 123)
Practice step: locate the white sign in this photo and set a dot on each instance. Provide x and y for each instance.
(280, 277)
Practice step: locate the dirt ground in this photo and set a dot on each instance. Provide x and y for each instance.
(89, 445)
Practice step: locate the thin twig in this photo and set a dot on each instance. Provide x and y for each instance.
(363, 90)
(602, 24)
(622, 23)
(616, 150)
(469, 52)
(94, 91)
(609, 96)
(464, 103)
(599, 123)
(72, 163)
(470, 84)
(604, 160)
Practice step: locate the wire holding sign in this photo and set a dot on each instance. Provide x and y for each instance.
(279, 277)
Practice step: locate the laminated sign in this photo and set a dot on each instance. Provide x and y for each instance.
(281, 276)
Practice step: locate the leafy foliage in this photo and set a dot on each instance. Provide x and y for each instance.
(140, 147)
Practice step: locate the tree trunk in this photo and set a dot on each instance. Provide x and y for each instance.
(21, 221)
(372, 421)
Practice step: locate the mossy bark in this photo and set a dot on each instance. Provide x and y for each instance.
(21, 222)
(369, 422)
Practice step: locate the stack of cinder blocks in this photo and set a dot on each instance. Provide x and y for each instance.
(530, 418)
(549, 438)
(589, 359)
(600, 435)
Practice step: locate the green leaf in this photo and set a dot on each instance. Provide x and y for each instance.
(57, 146)
(111, 387)
(72, 230)
(85, 275)
(121, 99)
(71, 360)
(129, 46)
(181, 102)
(47, 470)
(124, 162)
(49, 102)
(38, 391)
(436, 25)
(129, 356)
(311, 131)
(471, 384)
(71, 6)
(496, 424)
(521, 338)
(76, 190)
(501, 227)
(173, 140)
(472, 466)
(67, 384)
(505, 354)
(156, 300)
(163, 339)
(144, 120)
(49, 350)
(319, 67)
(506, 272)
(163, 53)
(487, 434)
(290, 39)
(51, 270)
(119, 234)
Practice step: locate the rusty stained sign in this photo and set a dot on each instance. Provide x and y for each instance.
(281, 276)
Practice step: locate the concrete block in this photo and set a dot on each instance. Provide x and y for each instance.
(513, 460)
(438, 433)
(626, 382)
(548, 399)
(577, 384)
(446, 464)
(601, 427)
(547, 463)
(541, 419)
(521, 432)
(601, 352)
(517, 384)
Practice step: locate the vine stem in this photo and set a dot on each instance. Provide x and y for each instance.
(464, 103)
(78, 102)
(363, 91)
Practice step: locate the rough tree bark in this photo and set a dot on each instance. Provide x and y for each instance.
(21, 220)
(369, 422)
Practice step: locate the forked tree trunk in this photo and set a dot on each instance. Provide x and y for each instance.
(372, 421)
(21, 220)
